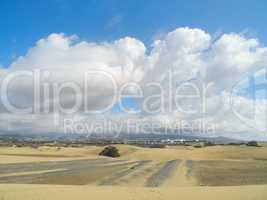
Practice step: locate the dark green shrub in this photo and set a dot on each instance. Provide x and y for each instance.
(197, 145)
(110, 151)
(253, 144)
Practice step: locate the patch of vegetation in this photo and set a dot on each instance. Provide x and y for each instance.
(236, 143)
(208, 144)
(253, 144)
(110, 151)
(161, 146)
(197, 146)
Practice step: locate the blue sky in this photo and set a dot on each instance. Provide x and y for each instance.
(24, 22)
(211, 39)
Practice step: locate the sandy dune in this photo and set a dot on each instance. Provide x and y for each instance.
(45, 192)
(238, 172)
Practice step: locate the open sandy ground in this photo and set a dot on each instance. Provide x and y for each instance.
(28, 154)
(218, 172)
(46, 192)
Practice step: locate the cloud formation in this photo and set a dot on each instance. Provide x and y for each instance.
(183, 58)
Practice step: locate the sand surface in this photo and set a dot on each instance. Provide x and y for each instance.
(46, 192)
(217, 172)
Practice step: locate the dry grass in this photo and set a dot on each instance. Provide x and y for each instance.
(229, 173)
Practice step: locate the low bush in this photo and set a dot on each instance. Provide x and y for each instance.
(253, 144)
(110, 151)
(197, 146)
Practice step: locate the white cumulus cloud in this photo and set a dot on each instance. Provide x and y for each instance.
(191, 55)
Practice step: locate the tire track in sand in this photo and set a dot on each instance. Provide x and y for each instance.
(158, 178)
(119, 177)
(182, 175)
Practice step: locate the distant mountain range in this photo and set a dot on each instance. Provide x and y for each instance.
(121, 136)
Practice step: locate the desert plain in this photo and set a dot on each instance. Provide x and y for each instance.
(175, 172)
